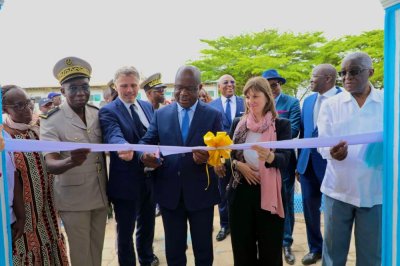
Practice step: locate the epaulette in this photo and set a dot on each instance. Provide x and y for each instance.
(49, 113)
(94, 106)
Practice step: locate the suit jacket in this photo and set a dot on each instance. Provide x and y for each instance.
(179, 177)
(289, 107)
(309, 130)
(118, 127)
(217, 104)
(83, 187)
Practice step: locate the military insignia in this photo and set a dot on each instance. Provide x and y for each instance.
(68, 62)
(49, 113)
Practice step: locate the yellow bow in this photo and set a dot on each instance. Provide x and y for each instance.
(217, 157)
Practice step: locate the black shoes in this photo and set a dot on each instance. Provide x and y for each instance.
(311, 258)
(222, 234)
(288, 255)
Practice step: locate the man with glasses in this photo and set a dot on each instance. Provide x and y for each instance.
(230, 106)
(184, 190)
(352, 184)
(80, 175)
(126, 120)
(287, 107)
(310, 165)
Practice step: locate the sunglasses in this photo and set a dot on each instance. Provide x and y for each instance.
(353, 72)
(159, 89)
(226, 82)
(274, 85)
(21, 105)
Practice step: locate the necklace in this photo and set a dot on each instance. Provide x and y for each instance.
(23, 134)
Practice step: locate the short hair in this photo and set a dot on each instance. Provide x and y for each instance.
(362, 57)
(221, 77)
(260, 84)
(196, 72)
(126, 71)
(7, 88)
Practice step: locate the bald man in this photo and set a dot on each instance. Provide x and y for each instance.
(310, 165)
(230, 106)
(181, 185)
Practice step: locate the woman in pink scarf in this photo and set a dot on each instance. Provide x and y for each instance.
(255, 207)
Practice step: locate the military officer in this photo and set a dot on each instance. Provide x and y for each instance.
(154, 89)
(80, 175)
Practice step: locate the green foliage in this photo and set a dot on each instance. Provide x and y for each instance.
(293, 55)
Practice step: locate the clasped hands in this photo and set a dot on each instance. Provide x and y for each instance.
(152, 161)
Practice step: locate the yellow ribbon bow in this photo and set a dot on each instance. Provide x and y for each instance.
(217, 157)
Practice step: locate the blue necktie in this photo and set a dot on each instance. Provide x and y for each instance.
(136, 120)
(185, 124)
(228, 111)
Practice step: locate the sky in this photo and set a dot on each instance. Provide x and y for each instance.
(154, 36)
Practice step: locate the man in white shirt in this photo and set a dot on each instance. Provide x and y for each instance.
(352, 188)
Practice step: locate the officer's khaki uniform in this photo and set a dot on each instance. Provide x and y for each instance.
(80, 193)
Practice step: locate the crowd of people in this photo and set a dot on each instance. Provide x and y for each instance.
(254, 189)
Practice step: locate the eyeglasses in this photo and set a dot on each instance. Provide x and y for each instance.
(191, 89)
(75, 88)
(226, 82)
(274, 85)
(159, 89)
(353, 72)
(21, 105)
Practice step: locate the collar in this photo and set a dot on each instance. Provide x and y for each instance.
(373, 95)
(278, 97)
(233, 99)
(331, 92)
(127, 105)
(191, 108)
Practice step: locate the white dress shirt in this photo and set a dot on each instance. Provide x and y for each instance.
(351, 180)
(233, 105)
(320, 99)
(139, 111)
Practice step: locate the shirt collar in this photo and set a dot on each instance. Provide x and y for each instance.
(191, 108)
(277, 97)
(373, 95)
(127, 105)
(329, 93)
(233, 99)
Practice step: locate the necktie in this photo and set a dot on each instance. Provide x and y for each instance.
(136, 120)
(185, 124)
(228, 111)
(317, 106)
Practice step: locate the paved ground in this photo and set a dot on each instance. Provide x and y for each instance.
(222, 250)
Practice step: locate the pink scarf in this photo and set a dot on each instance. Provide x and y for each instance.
(271, 181)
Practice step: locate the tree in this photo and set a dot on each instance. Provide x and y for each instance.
(293, 55)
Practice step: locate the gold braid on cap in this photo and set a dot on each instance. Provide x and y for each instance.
(72, 70)
(155, 82)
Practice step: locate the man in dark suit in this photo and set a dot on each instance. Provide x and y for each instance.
(230, 106)
(310, 165)
(287, 107)
(125, 120)
(182, 188)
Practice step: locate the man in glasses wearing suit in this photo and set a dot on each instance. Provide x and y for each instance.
(230, 106)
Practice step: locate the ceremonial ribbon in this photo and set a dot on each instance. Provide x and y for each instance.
(217, 156)
(55, 146)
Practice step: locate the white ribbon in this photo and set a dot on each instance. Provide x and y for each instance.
(54, 146)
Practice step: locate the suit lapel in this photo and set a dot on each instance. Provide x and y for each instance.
(127, 117)
(145, 110)
(175, 125)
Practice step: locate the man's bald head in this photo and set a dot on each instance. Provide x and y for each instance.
(323, 78)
